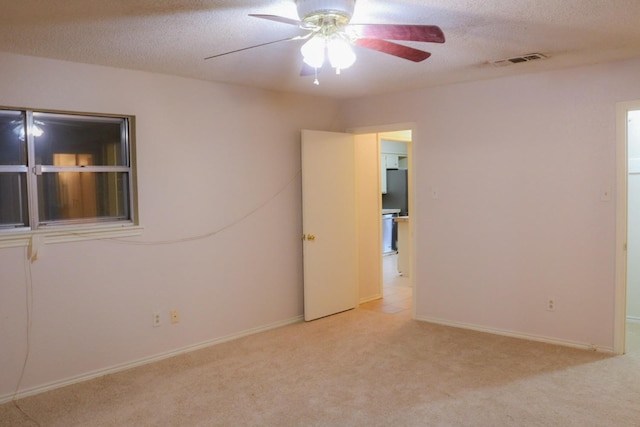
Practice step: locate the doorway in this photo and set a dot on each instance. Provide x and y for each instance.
(394, 291)
(633, 228)
(397, 293)
(627, 316)
(360, 173)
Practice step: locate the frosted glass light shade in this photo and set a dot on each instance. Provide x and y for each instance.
(312, 7)
(341, 55)
(313, 52)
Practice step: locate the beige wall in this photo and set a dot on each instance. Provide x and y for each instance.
(208, 154)
(519, 165)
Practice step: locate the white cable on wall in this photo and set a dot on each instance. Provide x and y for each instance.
(31, 254)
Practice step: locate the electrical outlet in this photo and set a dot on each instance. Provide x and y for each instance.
(175, 316)
(157, 321)
(551, 304)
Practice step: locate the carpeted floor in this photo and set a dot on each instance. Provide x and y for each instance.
(358, 368)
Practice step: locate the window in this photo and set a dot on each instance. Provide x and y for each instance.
(61, 169)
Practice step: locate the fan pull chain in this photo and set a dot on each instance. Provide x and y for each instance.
(316, 81)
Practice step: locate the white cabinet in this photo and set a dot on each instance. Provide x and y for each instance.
(391, 161)
(393, 155)
(387, 161)
(403, 162)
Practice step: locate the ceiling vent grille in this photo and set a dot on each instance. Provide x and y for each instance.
(518, 59)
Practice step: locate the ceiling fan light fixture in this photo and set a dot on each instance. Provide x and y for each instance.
(309, 8)
(313, 51)
(329, 33)
(340, 53)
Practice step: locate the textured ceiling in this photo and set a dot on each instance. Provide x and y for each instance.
(174, 37)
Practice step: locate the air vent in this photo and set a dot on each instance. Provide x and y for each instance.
(518, 59)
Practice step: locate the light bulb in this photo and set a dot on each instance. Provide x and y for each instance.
(37, 130)
(340, 53)
(313, 52)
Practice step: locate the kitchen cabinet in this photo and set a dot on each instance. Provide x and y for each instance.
(391, 161)
(403, 162)
(393, 155)
(388, 161)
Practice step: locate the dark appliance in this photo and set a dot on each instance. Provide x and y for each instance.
(388, 238)
(397, 197)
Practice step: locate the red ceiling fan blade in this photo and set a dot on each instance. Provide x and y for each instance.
(394, 49)
(416, 33)
(278, 19)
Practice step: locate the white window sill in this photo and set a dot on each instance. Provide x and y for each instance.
(12, 239)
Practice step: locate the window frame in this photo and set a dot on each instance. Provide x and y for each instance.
(62, 230)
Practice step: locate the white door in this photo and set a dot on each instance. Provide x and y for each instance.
(329, 223)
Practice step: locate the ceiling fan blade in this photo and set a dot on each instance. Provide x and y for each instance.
(416, 33)
(278, 19)
(401, 51)
(251, 47)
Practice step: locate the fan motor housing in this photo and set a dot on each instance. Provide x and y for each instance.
(309, 8)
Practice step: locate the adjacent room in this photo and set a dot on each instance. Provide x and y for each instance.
(204, 221)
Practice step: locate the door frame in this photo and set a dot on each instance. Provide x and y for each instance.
(411, 191)
(622, 176)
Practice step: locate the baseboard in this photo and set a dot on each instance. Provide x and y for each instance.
(520, 335)
(369, 299)
(144, 361)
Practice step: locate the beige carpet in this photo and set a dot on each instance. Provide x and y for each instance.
(359, 368)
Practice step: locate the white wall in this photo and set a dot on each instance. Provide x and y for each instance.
(208, 154)
(633, 218)
(520, 165)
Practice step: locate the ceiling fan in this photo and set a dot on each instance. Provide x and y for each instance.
(330, 34)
